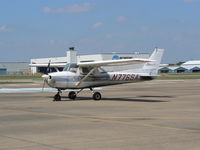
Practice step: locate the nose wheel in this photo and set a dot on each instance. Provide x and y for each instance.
(57, 97)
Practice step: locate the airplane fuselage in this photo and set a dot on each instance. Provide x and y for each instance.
(70, 80)
(91, 74)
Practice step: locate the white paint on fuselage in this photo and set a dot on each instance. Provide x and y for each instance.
(69, 80)
(62, 79)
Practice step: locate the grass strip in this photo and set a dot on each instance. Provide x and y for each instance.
(18, 77)
(16, 82)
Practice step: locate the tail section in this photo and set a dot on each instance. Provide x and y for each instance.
(152, 67)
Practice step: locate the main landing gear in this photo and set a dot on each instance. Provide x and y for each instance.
(96, 95)
(72, 95)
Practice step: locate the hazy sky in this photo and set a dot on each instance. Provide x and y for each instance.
(46, 28)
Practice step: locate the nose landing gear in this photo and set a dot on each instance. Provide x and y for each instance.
(57, 97)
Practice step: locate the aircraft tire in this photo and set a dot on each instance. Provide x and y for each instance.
(72, 95)
(97, 96)
(57, 97)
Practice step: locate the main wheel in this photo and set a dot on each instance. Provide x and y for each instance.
(72, 95)
(57, 97)
(96, 96)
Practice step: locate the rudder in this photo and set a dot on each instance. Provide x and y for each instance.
(152, 67)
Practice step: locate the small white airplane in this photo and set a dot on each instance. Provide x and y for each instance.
(90, 74)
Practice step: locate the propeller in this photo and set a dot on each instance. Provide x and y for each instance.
(46, 76)
(48, 67)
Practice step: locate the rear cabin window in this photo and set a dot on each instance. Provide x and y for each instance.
(86, 70)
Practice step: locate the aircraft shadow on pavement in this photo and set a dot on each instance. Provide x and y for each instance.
(134, 100)
(65, 98)
(151, 96)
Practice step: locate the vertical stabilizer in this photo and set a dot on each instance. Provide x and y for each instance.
(152, 67)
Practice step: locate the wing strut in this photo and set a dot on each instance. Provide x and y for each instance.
(85, 77)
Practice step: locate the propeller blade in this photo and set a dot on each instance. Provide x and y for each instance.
(48, 67)
(45, 77)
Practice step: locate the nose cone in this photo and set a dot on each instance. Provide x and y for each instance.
(48, 79)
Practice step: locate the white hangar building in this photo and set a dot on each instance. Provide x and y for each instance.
(84, 58)
(191, 66)
(17, 68)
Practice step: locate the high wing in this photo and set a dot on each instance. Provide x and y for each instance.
(97, 64)
(114, 62)
(46, 65)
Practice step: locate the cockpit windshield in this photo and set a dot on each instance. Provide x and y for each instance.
(71, 67)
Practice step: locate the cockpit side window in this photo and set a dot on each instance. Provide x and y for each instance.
(71, 67)
(66, 67)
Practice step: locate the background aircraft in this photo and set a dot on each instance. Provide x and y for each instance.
(91, 75)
